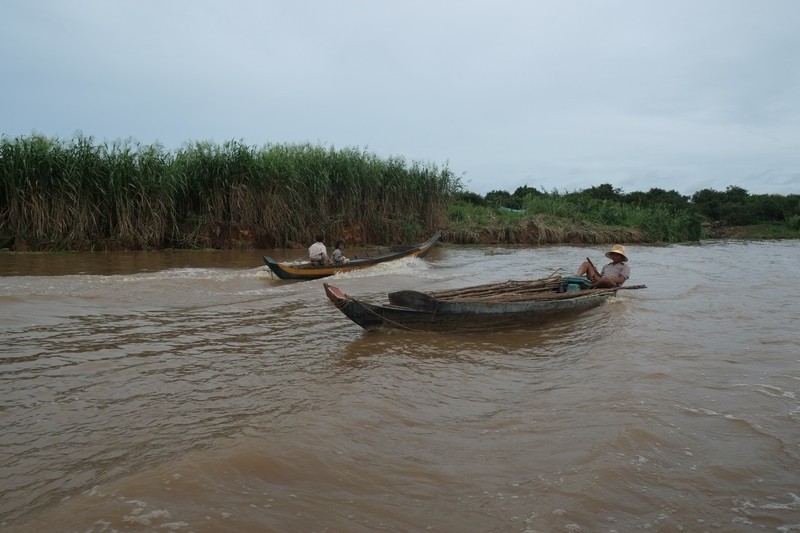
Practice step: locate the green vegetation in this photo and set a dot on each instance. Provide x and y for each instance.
(604, 214)
(80, 195)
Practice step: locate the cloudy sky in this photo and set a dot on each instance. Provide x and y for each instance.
(552, 94)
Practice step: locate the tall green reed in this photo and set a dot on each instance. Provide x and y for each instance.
(139, 196)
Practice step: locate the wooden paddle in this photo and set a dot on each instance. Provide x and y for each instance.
(592, 265)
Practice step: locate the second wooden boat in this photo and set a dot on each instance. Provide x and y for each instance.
(304, 269)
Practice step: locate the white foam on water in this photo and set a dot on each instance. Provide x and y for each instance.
(412, 266)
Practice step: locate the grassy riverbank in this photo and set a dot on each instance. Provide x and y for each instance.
(82, 195)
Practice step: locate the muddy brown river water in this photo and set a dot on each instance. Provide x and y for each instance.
(192, 391)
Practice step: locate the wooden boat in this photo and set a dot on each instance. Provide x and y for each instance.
(307, 270)
(483, 307)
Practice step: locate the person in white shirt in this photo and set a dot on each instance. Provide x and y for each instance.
(317, 252)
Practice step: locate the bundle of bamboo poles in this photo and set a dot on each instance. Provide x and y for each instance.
(504, 289)
(520, 290)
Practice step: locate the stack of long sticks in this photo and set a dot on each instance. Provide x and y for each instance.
(503, 290)
(522, 290)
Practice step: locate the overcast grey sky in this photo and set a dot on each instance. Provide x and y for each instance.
(555, 95)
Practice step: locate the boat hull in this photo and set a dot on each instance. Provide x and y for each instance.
(307, 271)
(452, 316)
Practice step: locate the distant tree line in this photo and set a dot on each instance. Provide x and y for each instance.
(732, 207)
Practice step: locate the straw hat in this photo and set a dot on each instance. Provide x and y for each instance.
(617, 249)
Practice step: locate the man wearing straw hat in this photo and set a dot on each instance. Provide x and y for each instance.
(613, 274)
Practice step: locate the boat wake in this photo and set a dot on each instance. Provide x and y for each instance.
(407, 266)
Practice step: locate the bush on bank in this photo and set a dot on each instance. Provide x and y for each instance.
(608, 214)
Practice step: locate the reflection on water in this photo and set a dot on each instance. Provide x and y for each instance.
(537, 340)
(193, 392)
